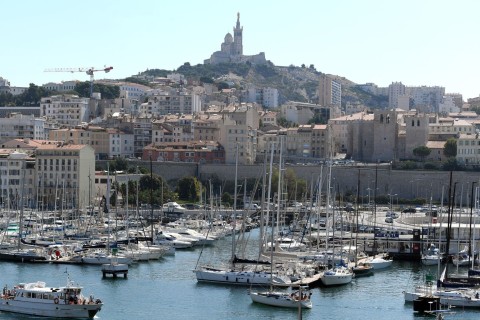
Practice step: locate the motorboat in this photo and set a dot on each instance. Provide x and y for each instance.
(37, 299)
(362, 269)
(432, 256)
(287, 244)
(162, 238)
(337, 276)
(192, 235)
(379, 262)
(462, 258)
(173, 207)
(295, 299)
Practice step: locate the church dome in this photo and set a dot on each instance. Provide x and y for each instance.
(228, 38)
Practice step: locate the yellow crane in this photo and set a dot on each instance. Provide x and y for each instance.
(89, 71)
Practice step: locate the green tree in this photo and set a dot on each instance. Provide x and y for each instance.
(107, 92)
(450, 148)
(206, 80)
(223, 85)
(188, 188)
(118, 164)
(296, 188)
(227, 198)
(422, 152)
(157, 186)
(451, 165)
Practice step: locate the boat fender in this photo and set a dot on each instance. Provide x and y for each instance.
(56, 300)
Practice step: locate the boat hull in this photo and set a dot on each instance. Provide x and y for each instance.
(238, 277)
(52, 310)
(280, 299)
(336, 280)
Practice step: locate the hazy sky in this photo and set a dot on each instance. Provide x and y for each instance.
(417, 42)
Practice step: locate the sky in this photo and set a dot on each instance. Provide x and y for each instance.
(416, 42)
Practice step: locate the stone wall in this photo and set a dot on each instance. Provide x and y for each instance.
(398, 183)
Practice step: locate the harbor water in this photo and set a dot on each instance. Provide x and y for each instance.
(167, 289)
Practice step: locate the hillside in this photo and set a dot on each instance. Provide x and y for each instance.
(293, 83)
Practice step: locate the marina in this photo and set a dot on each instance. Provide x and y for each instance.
(168, 286)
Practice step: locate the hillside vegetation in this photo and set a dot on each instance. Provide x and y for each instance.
(293, 83)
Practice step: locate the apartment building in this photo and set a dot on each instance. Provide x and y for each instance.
(17, 125)
(269, 118)
(173, 128)
(239, 132)
(266, 97)
(17, 178)
(65, 175)
(64, 86)
(67, 110)
(207, 128)
(396, 96)
(468, 149)
(106, 142)
(329, 91)
(191, 151)
(444, 128)
(171, 101)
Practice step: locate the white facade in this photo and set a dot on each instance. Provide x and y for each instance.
(17, 180)
(451, 127)
(19, 126)
(267, 97)
(171, 101)
(428, 98)
(67, 110)
(448, 105)
(395, 90)
(120, 144)
(65, 175)
(132, 90)
(63, 86)
(468, 149)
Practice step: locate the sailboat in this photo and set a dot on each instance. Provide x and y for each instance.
(362, 269)
(232, 275)
(296, 299)
(339, 274)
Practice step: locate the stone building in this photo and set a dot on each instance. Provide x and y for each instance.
(231, 50)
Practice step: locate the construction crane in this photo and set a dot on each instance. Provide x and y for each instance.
(89, 71)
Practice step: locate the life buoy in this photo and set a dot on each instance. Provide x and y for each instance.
(56, 300)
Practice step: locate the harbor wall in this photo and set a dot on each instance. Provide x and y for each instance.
(403, 184)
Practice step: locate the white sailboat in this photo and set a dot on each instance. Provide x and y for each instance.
(297, 299)
(231, 275)
(338, 275)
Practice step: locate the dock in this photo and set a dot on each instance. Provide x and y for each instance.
(114, 270)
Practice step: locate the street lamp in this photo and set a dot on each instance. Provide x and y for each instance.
(368, 190)
(391, 200)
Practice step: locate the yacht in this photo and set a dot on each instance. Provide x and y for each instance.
(36, 299)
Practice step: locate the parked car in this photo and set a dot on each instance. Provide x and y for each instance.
(409, 210)
(389, 220)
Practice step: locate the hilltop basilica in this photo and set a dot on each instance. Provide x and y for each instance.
(232, 49)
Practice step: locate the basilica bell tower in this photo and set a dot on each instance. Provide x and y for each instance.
(237, 38)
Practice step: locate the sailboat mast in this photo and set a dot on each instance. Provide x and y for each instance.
(356, 214)
(471, 216)
(279, 191)
(20, 227)
(235, 205)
